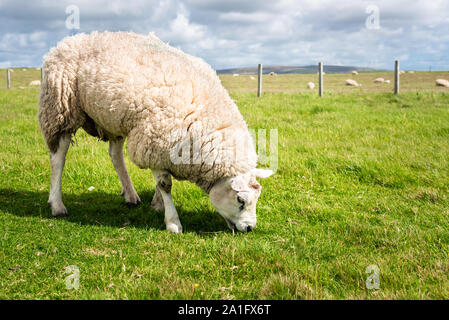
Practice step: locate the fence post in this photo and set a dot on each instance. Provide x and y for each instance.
(42, 75)
(259, 81)
(396, 76)
(8, 79)
(320, 79)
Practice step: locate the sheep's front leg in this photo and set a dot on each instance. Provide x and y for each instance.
(116, 154)
(164, 183)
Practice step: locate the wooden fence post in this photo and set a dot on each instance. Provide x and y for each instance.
(259, 81)
(396, 77)
(8, 79)
(320, 79)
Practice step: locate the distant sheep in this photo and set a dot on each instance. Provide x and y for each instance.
(355, 72)
(411, 71)
(401, 72)
(387, 81)
(442, 83)
(272, 73)
(235, 75)
(35, 83)
(379, 80)
(252, 78)
(353, 83)
(121, 85)
(311, 85)
(11, 70)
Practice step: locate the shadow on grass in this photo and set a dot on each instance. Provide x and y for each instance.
(105, 209)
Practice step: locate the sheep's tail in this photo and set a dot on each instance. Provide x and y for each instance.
(59, 110)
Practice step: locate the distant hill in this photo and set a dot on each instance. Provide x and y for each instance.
(293, 69)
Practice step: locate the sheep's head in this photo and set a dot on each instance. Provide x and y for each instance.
(235, 198)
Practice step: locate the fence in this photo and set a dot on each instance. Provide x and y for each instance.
(321, 79)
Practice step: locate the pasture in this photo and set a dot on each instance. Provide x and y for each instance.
(362, 180)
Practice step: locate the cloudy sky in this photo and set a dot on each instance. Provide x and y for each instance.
(237, 33)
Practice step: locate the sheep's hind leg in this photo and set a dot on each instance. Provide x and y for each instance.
(164, 183)
(57, 161)
(116, 154)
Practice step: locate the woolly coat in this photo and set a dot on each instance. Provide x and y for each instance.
(172, 107)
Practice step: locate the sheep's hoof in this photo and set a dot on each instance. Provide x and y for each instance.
(58, 210)
(132, 204)
(60, 213)
(173, 228)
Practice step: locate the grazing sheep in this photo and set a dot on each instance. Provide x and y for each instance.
(354, 72)
(235, 75)
(252, 78)
(350, 82)
(311, 85)
(401, 72)
(379, 80)
(272, 73)
(442, 83)
(35, 83)
(11, 70)
(387, 81)
(411, 71)
(124, 85)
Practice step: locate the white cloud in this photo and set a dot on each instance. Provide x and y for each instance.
(241, 33)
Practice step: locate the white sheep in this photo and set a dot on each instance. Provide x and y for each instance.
(35, 83)
(379, 80)
(235, 75)
(354, 72)
(252, 78)
(387, 81)
(124, 85)
(311, 85)
(350, 82)
(272, 73)
(442, 83)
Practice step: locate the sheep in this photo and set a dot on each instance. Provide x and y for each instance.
(119, 85)
(442, 83)
(35, 83)
(379, 80)
(11, 70)
(354, 72)
(350, 82)
(235, 75)
(272, 73)
(411, 71)
(311, 85)
(401, 72)
(252, 78)
(387, 81)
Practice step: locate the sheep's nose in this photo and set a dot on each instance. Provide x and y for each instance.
(249, 229)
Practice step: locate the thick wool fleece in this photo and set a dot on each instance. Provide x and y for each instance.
(171, 106)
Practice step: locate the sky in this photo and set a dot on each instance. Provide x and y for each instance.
(238, 33)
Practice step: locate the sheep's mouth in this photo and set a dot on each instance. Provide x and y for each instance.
(231, 225)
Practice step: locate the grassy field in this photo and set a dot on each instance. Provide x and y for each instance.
(362, 180)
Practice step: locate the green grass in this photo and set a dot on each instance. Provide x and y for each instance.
(362, 180)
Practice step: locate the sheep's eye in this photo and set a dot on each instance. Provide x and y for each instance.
(241, 201)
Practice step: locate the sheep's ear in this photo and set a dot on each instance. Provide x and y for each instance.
(262, 173)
